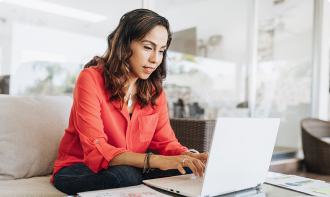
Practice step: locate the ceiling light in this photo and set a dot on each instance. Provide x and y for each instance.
(58, 9)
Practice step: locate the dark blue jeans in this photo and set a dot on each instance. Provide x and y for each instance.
(79, 178)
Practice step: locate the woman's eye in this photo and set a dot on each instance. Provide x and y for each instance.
(147, 48)
(161, 51)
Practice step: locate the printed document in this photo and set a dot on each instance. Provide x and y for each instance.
(300, 184)
(134, 191)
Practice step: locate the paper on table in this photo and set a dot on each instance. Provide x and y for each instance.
(297, 183)
(286, 180)
(310, 188)
(134, 191)
(324, 191)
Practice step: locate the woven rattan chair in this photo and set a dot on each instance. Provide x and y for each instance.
(316, 151)
(195, 134)
(4, 84)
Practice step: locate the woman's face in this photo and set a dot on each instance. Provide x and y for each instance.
(148, 53)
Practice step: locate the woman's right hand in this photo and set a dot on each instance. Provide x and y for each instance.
(176, 162)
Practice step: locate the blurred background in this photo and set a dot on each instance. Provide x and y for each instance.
(237, 58)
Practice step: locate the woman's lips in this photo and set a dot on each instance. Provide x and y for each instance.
(148, 69)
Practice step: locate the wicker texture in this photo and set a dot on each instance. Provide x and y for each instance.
(195, 134)
(316, 151)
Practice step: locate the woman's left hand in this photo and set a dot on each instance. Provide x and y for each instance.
(202, 156)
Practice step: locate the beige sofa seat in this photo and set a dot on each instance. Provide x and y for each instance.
(35, 186)
(31, 129)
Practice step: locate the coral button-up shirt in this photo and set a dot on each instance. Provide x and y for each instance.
(98, 130)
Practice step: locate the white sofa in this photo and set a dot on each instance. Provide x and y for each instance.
(31, 128)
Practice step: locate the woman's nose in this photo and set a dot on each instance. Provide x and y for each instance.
(155, 57)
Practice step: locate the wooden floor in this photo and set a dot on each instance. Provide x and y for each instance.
(294, 166)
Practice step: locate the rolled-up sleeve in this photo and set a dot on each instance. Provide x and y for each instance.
(89, 124)
(164, 141)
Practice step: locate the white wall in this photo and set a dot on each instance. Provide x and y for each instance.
(296, 46)
(5, 44)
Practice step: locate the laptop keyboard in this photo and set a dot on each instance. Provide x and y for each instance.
(194, 185)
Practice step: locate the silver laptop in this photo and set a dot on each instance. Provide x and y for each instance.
(239, 159)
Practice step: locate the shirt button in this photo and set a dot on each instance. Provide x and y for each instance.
(96, 141)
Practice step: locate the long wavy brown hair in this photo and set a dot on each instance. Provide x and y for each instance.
(133, 25)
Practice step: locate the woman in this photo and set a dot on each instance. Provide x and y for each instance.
(119, 110)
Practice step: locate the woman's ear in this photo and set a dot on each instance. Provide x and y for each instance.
(129, 51)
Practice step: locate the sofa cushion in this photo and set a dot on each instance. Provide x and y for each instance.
(31, 129)
(31, 187)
